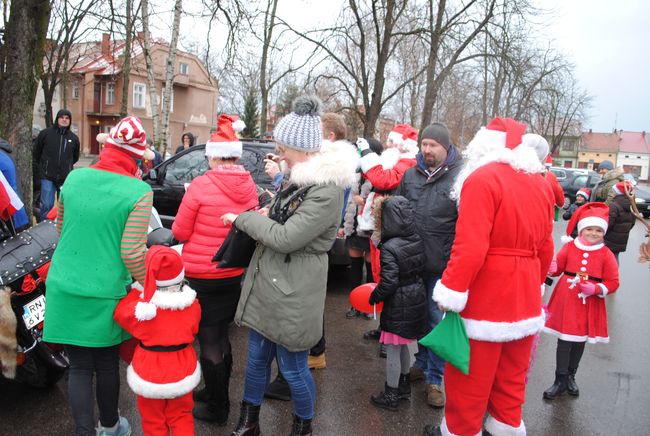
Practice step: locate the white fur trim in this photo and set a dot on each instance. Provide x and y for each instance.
(223, 149)
(565, 239)
(449, 298)
(148, 389)
(174, 300)
(592, 221)
(604, 290)
(336, 163)
(584, 247)
(238, 125)
(145, 311)
(395, 137)
(389, 158)
(137, 285)
(493, 331)
(368, 161)
(445, 430)
(498, 428)
(176, 280)
(575, 338)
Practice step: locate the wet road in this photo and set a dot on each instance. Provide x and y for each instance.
(614, 379)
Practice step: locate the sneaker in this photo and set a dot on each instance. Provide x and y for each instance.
(121, 428)
(372, 335)
(316, 362)
(435, 396)
(366, 316)
(352, 313)
(278, 389)
(416, 374)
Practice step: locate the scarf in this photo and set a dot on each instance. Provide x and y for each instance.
(114, 161)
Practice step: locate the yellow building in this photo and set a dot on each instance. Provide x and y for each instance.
(597, 147)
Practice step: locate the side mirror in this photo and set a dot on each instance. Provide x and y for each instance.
(152, 175)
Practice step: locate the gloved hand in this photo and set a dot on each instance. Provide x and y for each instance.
(552, 269)
(362, 144)
(373, 298)
(589, 288)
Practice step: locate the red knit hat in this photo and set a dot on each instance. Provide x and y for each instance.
(224, 143)
(594, 214)
(404, 135)
(620, 187)
(128, 136)
(514, 130)
(164, 267)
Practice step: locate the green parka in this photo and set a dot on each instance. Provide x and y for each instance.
(283, 295)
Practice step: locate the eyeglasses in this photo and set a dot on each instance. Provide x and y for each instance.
(280, 149)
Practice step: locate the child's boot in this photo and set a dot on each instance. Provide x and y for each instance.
(558, 388)
(404, 387)
(572, 386)
(388, 399)
(301, 427)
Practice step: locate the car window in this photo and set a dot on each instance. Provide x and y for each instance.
(561, 175)
(186, 167)
(253, 161)
(579, 181)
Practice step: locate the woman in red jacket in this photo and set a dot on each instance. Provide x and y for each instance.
(226, 187)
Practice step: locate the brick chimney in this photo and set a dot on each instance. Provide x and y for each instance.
(106, 44)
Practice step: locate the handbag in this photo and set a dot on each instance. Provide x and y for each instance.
(449, 341)
(236, 251)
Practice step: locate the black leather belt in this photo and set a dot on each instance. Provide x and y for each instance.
(592, 278)
(163, 348)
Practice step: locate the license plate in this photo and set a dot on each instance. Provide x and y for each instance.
(34, 312)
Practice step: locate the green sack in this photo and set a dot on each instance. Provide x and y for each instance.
(449, 341)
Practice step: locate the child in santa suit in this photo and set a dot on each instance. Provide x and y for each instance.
(164, 370)
(577, 312)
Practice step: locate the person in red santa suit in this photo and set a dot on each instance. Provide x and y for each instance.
(499, 260)
(164, 370)
(577, 312)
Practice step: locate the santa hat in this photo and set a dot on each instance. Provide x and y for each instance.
(404, 136)
(620, 187)
(585, 192)
(594, 214)
(548, 161)
(224, 142)
(164, 268)
(128, 136)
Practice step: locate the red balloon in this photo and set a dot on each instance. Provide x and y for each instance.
(359, 298)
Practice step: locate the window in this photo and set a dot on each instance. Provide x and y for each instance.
(580, 182)
(184, 68)
(561, 175)
(138, 95)
(75, 90)
(567, 145)
(187, 167)
(110, 93)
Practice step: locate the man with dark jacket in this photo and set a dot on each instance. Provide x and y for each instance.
(55, 152)
(428, 187)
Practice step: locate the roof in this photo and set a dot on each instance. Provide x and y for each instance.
(105, 64)
(591, 141)
(634, 142)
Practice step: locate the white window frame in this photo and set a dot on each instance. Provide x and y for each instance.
(74, 92)
(139, 93)
(184, 68)
(110, 93)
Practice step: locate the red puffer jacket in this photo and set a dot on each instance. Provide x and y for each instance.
(228, 188)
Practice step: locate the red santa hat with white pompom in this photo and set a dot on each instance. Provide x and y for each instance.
(224, 143)
(594, 214)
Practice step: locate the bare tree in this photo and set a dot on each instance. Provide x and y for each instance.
(151, 77)
(169, 75)
(126, 66)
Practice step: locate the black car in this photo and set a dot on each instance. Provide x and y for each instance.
(642, 201)
(168, 180)
(572, 179)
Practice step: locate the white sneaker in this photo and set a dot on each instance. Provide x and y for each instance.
(121, 428)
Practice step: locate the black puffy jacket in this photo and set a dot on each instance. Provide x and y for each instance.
(56, 150)
(621, 222)
(401, 286)
(435, 211)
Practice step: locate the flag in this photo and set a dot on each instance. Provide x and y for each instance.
(10, 203)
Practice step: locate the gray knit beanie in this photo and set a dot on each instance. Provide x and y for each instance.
(301, 129)
(438, 132)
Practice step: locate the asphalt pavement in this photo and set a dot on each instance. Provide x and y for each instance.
(614, 379)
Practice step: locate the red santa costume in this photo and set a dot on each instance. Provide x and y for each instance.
(385, 172)
(499, 260)
(574, 316)
(164, 370)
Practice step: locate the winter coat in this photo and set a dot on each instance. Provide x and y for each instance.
(227, 188)
(621, 221)
(570, 211)
(283, 294)
(603, 190)
(401, 286)
(385, 171)
(360, 187)
(435, 211)
(56, 150)
(558, 192)
(8, 168)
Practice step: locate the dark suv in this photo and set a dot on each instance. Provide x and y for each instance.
(572, 179)
(168, 179)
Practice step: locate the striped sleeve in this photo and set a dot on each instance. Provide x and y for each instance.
(58, 223)
(134, 237)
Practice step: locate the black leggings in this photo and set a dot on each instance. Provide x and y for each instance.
(214, 341)
(103, 362)
(568, 356)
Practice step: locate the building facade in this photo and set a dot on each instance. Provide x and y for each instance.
(634, 154)
(596, 147)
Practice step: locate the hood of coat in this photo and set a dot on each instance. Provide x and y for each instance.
(234, 181)
(616, 173)
(5, 146)
(56, 120)
(335, 163)
(397, 218)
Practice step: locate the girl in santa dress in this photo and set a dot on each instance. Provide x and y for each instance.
(577, 312)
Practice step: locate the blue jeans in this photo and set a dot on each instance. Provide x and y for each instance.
(293, 366)
(425, 359)
(48, 190)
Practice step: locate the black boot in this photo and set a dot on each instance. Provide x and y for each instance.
(433, 430)
(372, 335)
(249, 424)
(404, 387)
(301, 427)
(558, 388)
(382, 351)
(572, 386)
(202, 395)
(278, 389)
(217, 408)
(388, 399)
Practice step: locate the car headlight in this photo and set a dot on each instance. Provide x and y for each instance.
(639, 200)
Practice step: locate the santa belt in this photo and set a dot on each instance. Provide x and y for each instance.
(163, 348)
(584, 275)
(519, 252)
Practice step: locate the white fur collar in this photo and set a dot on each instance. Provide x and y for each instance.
(336, 163)
(391, 156)
(174, 300)
(584, 247)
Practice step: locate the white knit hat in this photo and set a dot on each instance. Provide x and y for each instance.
(301, 129)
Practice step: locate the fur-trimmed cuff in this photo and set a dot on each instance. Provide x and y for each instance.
(496, 427)
(369, 161)
(445, 430)
(604, 290)
(448, 298)
(148, 389)
(145, 311)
